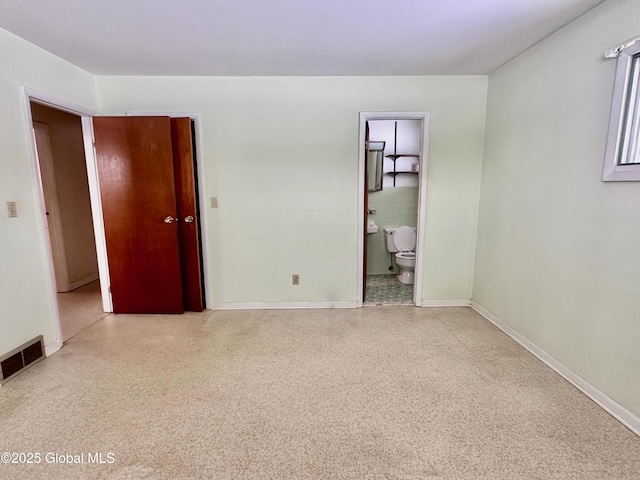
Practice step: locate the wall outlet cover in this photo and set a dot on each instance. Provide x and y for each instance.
(11, 209)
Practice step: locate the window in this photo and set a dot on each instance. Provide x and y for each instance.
(622, 158)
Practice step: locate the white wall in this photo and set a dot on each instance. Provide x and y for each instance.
(281, 155)
(559, 251)
(25, 285)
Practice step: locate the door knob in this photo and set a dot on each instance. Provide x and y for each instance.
(188, 219)
(169, 219)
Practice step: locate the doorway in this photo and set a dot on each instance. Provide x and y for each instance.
(146, 172)
(86, 117)
(392, 199)
(58, 138)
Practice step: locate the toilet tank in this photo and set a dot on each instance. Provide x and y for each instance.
(400, 239)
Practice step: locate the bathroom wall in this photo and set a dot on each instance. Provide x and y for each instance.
(394, 207)
(400, 137)
(397, 205)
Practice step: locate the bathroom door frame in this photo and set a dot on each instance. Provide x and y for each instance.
(365, 117)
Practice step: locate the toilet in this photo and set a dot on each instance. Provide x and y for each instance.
(402, 242)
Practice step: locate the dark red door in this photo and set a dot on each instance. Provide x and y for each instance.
(184, 172)
(137, 189)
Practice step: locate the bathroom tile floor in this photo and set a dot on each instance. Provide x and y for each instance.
(387, 290)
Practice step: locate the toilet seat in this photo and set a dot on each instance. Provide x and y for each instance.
(406, 255)
(405, 239)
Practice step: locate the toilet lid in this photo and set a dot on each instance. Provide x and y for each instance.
(405, 239)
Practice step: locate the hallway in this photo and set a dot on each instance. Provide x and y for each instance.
(79, 309)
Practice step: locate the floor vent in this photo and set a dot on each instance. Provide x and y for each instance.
(21, 358)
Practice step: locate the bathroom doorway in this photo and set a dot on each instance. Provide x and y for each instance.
(393, 159)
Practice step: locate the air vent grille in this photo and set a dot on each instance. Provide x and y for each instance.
(18, 359)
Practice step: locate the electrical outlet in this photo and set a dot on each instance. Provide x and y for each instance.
(214, 202)
(295, 279)
(11, 208)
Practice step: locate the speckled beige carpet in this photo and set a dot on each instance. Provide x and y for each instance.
(374, 393)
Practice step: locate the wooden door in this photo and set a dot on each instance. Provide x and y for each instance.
(137, 190)
(188, 221)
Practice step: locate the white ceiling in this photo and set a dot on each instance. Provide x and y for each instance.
(288, 37)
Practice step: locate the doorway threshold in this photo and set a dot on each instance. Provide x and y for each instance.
(387, 304)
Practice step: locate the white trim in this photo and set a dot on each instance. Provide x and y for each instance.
(362, 138)
(28, 95)
(84, 281)
(96, 211)
(422, 195)
(280, 305)
(620, 129)
(614, 52)
(52, 348)
(133, 113)
(57, 103)
(204, 251)
(42, 221)
(608, 404)
(460, 302)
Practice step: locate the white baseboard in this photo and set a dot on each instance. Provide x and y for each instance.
(279, 305)
(460, 302)
(463, 302)
(83, 281)
(611, 406)
(52, 347)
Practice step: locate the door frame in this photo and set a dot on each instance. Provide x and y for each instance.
(422, 195)
(85, 114)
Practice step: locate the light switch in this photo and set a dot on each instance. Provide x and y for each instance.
(11, 208)
(214, 202)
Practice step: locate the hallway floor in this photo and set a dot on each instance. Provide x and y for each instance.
(79, 309)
